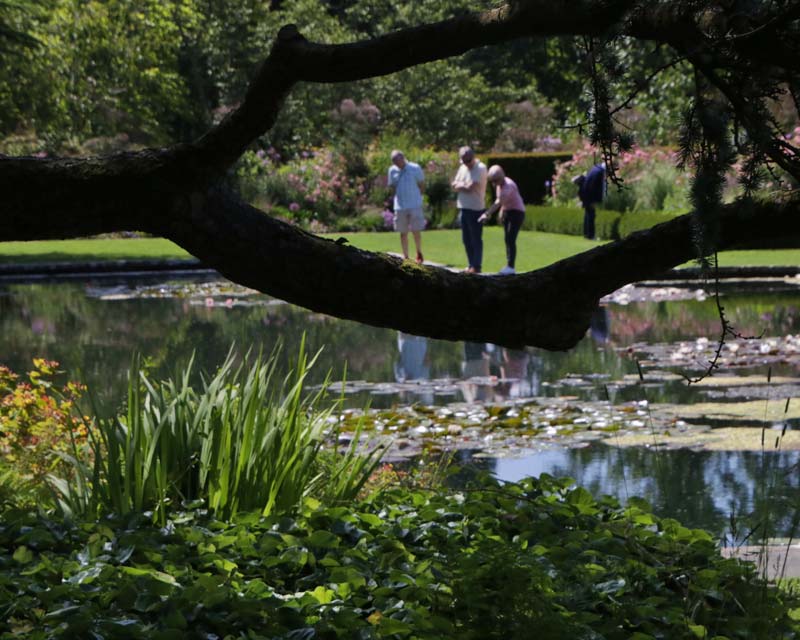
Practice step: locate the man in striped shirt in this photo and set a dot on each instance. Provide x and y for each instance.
(408, 182)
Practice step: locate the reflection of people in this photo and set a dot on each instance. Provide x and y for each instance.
(514, 371)
(512, 212)
(477, 356)
(599, 324)
(470, 186)
(591, 190)
(413, 363)
(408, 182)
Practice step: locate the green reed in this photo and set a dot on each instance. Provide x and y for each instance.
(246, 440)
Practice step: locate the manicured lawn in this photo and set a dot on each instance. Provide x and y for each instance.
(89, 250)
(534, 249)
(761, 258)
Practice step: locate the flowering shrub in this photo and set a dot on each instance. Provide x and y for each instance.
(528, 129)
(314, 186)
(36, 419)
(651, 181)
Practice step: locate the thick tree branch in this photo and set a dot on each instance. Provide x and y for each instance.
(548, 308)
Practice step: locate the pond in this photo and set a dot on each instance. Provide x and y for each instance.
(615, 412)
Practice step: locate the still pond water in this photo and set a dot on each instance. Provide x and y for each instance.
(93, 327)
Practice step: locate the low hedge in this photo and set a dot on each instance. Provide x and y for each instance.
(569, 221)
(609, 225)
(529, 170)
(638, 220)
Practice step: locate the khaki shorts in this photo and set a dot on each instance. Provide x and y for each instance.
(406, 220)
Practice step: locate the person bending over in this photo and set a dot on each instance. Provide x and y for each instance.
(511, 212)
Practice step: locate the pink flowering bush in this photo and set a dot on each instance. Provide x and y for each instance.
(651, 182)
(314, 186)
(319, 183)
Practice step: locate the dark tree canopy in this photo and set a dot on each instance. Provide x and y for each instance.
(743, 55)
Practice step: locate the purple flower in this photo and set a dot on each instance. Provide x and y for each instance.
(294, 207)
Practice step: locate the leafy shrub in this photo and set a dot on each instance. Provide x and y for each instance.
(437, 191)
(529, 128)
(316, 182)
(37, 419)
(367, 221)
(534, 559)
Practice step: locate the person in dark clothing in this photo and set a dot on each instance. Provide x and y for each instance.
(591, 190)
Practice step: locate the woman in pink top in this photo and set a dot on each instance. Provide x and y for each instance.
(512, 212)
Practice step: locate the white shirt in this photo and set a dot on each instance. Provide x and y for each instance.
(475, 200)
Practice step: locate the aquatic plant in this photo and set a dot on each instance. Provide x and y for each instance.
(245, 440)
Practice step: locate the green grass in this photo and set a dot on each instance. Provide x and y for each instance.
(89, 250)
(534, 249)
(760, 258)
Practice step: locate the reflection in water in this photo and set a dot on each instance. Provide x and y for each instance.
(413, 363)
(729, 493)
(94, 327)
(518, 378)
(599, 324)
(476, 384)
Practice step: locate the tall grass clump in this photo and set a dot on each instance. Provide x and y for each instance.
(246, 440)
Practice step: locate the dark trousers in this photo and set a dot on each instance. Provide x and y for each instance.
(588, 221)
(472, 236)
(511, 226)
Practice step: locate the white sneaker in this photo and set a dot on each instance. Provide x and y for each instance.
(506, 271)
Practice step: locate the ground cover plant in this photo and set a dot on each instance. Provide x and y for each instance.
(489, 561)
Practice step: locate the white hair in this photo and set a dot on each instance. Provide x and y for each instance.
(495, 172)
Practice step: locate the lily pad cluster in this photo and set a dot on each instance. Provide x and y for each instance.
(495, 430)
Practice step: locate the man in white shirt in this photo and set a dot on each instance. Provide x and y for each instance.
(408, 182)
(470, 187)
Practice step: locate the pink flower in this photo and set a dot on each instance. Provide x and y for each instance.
(294, 207)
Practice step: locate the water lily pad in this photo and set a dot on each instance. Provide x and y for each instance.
(725, 439)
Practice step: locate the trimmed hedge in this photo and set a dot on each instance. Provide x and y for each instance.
(529, 170)
(569, 221)
(609, 225)
(638, 220)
